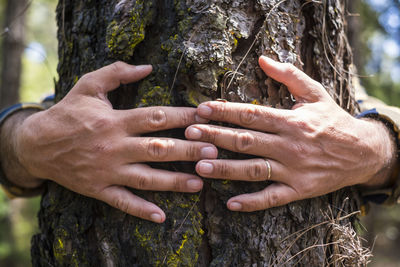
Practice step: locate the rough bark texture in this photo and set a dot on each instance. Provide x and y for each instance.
(206, 41)
(12, 47)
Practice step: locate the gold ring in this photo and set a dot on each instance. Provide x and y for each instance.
(269, 168)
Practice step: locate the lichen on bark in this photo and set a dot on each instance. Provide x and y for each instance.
(200, 50)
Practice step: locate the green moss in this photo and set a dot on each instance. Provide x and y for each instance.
(59, 245)
(195, 98)
(123, 36)
(186, 22)
(175, 258)
(154, 96)
(186, 254)
(64, 251)
(169, 44)
(185, 231)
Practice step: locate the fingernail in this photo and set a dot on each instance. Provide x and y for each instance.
(199, 119)
(155, 217)
(205, 167)
(208, 152)
(235, 206)
(266, 58)
(195, 184)
(204, 110)
(194, 133)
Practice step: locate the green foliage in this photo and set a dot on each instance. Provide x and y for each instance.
(5, 248)
(123, 36)
(38, 77)
(17, 224)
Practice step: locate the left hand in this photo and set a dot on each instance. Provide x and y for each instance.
(313, 149)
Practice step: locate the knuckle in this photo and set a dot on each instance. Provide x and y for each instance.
(103, 122)
(86, 78)
(223, 169)
(121, 204)
(248, 115)
(116, 67)
(253, 204)
(290, 69)
(177, 184)
(221, 111)
(209, 134)
(158, 149)
(271, 199)
(142, 182)
(192, 152)
(295, 122)
(157, 119)
(103, 148)
(254, 172)
(243, 141)
(272, 119)
(300, 150)
(186, 118)
(89, 81)
(305, 127)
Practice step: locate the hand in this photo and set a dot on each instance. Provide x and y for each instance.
(84, 145)
(313, 149)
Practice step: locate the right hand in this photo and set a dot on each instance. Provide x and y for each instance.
(86, 146)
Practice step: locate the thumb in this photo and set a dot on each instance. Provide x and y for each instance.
(300, 85)
(111, 77)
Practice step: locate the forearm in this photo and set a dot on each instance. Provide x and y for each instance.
(14, 171)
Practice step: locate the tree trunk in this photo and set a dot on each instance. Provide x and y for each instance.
(354, 33)
(12, 49)
(195, 47)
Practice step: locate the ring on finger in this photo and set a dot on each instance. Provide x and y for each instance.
(269, 168)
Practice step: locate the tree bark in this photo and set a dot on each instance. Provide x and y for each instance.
(195, 47)
(354, 31)
(12, 49)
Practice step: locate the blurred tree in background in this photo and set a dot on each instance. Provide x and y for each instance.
(376, 45)
(13, 44)
(18, 218)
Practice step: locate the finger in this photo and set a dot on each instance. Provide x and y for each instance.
(111, 77)
(299, 84)
(242, 170)
(122, 199)
(152, 119)
(238, 140)
(150, 149)
(143, 177)
(247, 115)
(276, 194)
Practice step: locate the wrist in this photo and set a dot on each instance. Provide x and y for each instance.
(383, 143)
(13, 168)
